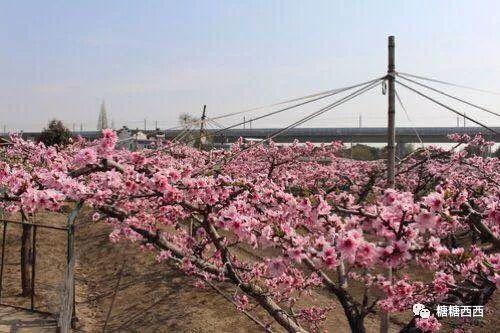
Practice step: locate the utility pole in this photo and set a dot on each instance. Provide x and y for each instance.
(202, 127)
(391, 113)
(391, 147)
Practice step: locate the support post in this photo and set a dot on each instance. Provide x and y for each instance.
(26, 256)
(4, 235)
(391, 146)
(67, 315)
(33, 271)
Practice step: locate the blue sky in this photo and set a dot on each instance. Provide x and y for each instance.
(157, 59)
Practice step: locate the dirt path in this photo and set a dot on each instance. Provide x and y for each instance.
(21, 321)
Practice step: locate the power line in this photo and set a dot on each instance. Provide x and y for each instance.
(319, 112)
(187, 123)
(338, 91)
(319, 94)
(216, 123)
(448, 83)
(408, 117)
(183, 133)
(446, 107)
(448, 95)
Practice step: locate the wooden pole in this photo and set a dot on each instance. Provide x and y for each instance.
(26, 256)
(203, 117)
(4, 234)
(391, 147)
(33, 269)
(202, 127)
(67, 314)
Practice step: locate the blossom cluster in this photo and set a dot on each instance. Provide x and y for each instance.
(291, 207)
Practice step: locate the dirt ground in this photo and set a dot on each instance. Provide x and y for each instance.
(120, 288)
(153, 297)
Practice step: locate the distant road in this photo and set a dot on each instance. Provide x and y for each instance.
(324, 134)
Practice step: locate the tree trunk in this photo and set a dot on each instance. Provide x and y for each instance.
(26, 260)
(357, 325)
(354, 316)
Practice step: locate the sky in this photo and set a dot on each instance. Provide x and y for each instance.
(155, 60)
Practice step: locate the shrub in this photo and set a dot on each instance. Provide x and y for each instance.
(55, 134)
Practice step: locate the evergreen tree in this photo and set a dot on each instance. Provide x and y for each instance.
(55, 134)
(102, 121)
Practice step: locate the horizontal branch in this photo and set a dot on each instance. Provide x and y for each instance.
(475, 218)
(105, 165)
(250, 289)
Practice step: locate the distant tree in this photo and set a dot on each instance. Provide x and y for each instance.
(55, 134)
(186, 120)
(406, 149)
(191, 125)
(482, 151)
(362, 153)
(401, 151)
(102, 121)
(382, 153)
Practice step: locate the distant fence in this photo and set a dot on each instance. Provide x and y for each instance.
(19, 236)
